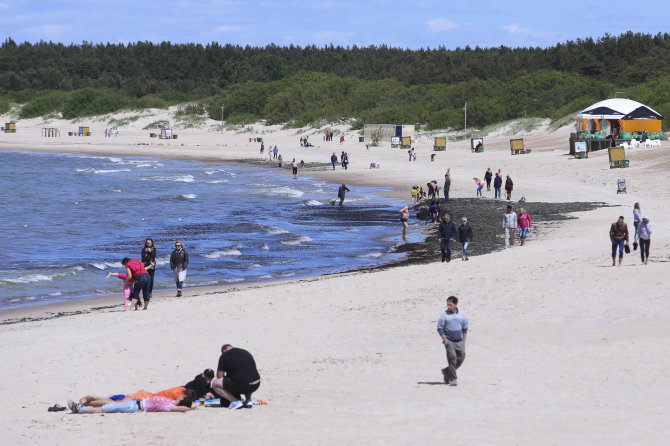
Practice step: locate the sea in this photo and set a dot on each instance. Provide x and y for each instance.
(69, 219)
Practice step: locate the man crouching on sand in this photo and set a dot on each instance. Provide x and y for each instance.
(453, 329)
(236, 376)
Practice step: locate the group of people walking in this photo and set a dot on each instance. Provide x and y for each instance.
(138, 280)
(497, 184)
(619, 236)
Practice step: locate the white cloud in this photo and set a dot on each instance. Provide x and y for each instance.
(227, 28)
(441, 25)
(513, 28)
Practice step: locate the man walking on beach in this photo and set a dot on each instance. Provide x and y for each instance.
(333, 160)
(447, 186)
(619, 238)
(275, 151)
(341, 192)
(452, 327)
(509, 224)
(446, 233)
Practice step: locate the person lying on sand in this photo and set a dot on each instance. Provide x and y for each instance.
(182, 403)
(200, 385)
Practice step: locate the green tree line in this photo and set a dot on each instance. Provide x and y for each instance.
(299, 85)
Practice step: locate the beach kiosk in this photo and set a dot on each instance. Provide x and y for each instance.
(617, 157)
(440, 143)
(477, 145)
(626, 115)
(10, 127)
(165, 134)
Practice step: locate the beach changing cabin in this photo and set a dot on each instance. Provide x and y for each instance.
(10, 127)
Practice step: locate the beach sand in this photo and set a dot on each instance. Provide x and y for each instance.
(563, 348)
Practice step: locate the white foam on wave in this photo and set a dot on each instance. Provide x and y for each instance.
(351, 230)
(188, 196)
(297, 241)
(34, 278)
(275, 230)
(372, 254)
(216, 181)
(176, 178)
(266, 276)
(104, 265)
(313, 203)
(88, 169)
(104, 171)
(255, 265)
(265, 247)
(234, 279)
(222, 253)
(162, 260)
(284, 190)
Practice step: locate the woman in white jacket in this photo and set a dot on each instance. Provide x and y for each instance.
(643, 235)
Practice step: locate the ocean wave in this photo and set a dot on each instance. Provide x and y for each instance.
(104, 265)
(162, 260)
(265, 247)
(255, 265)
(313, 203)
(187, 196)
(34, 278)
(296, 241)
(372, 254)
(103, 171)
(285, 190)
(222, 252)
(265, 276)
(216, 181)
(176, 178)
(234, 279)
(274, 229)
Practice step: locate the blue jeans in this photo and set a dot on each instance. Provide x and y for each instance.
(465, 249)
(446, 195)
(620, 244)
(445, 246)
(479, 190)
(142, 283)
(523, 230)
(122, 407)
(496, 192)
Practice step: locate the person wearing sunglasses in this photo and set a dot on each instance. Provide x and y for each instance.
(179, 264)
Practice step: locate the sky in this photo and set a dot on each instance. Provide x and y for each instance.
(402, 24)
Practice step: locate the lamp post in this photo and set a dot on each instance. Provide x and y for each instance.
(466, 116)
(221, 118)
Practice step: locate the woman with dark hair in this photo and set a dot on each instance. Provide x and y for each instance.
(139, 277)
(179, 264)
(149, 260)
(509, 186)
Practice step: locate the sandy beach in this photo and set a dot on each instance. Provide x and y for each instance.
(563, 348)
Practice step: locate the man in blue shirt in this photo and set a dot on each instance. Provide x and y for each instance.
(453, 329)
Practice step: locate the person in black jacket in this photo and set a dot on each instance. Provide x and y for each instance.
(446, 233)
(236, 375)
(497, 184)
(149, 260)
(179, 264)
(201, 384)
(487, 177)
(465, 236)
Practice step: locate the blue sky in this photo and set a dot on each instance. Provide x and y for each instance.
(404, 24)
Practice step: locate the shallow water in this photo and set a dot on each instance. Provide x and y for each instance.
(69, 219)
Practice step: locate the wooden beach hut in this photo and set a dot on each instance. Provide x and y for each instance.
(10, 127)
(477, 144)
(440, 143)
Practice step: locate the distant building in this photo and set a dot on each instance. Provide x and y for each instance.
(387, 131)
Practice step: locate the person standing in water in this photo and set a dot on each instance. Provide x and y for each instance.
(179, 265)
(341, 192)
(294, 167)
(404, 217)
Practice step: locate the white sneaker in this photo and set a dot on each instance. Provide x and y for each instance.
(73, 406)
(236, 405)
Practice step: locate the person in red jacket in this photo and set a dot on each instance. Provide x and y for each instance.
(138, 275)
(524, 223)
